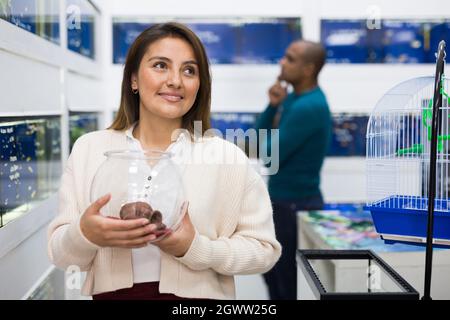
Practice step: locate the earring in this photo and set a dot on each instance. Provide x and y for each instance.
(135, 91)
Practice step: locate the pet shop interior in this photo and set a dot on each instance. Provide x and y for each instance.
(61, 71)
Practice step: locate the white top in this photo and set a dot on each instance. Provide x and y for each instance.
(146, 261)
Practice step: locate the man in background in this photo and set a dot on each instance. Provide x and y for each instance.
(304, 122)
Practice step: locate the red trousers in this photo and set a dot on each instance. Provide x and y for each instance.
(139, 291)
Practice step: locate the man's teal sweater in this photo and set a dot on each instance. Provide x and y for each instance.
(304, 136)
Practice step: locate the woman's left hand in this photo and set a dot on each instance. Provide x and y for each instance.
(177, 243)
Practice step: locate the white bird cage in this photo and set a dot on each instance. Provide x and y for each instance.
(398, 163)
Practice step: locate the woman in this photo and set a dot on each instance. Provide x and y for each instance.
(228, 229)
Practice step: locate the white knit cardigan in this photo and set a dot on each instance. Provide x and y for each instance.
(228, 204)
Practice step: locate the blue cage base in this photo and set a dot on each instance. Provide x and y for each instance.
(403, 219)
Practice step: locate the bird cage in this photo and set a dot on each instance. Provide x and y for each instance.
(398, 154)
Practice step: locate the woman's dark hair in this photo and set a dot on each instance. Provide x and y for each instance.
(129, 103)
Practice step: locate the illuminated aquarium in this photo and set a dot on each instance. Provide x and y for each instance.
(232, 40)
(30, 163)
(81, 123)
(348, 137)
(80, 24)
(40, 17)
(236, 127)
(389, 41)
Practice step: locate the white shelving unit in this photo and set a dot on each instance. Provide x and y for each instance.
(41, 78)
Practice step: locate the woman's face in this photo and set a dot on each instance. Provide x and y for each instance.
(168, 78)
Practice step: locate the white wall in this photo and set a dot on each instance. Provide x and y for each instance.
(343, 180)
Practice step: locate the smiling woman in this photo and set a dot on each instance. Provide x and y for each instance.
(167, 81)
(172, 53)
(227, 228)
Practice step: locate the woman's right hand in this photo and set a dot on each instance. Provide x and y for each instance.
(112, 232)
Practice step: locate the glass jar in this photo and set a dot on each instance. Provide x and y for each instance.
(142, 184)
